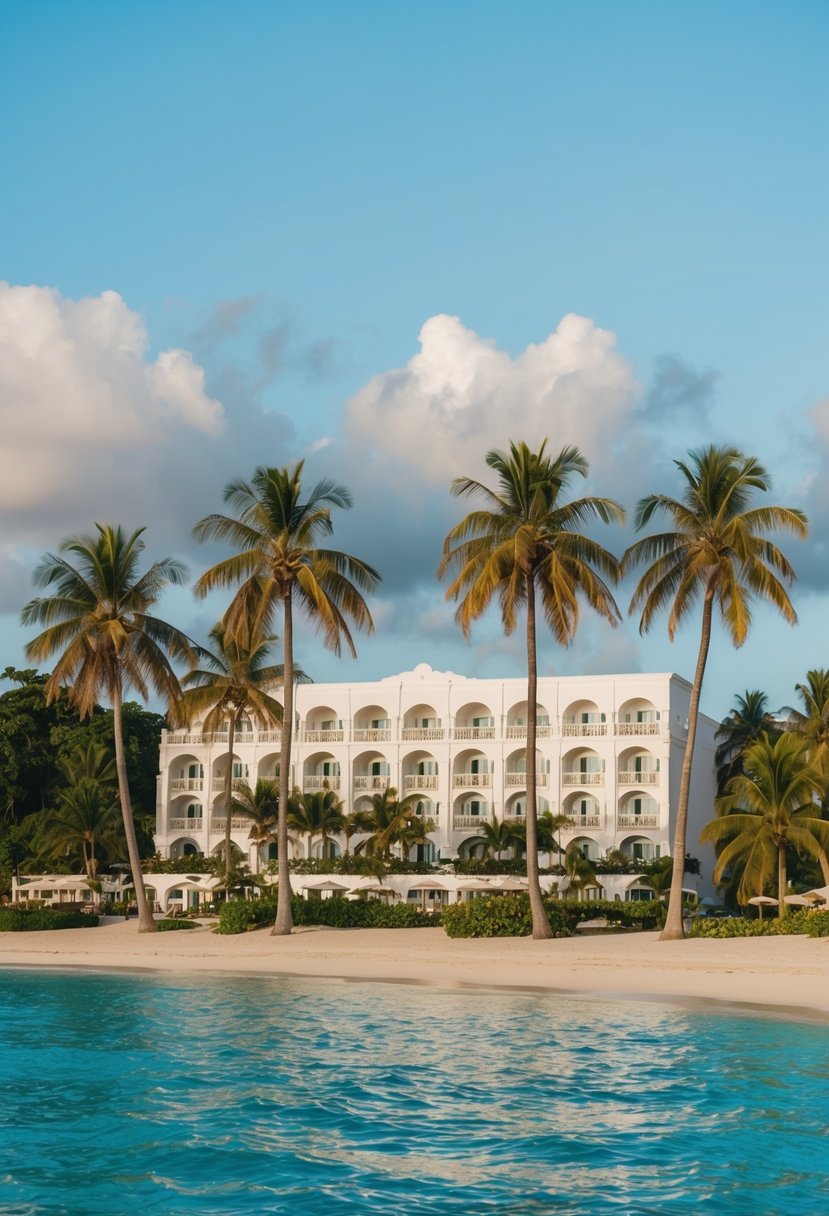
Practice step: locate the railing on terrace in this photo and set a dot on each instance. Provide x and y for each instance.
(374, 734)
(576, 777)
(183, 736)
(420, 781)
(520, 732)
(320, 783)
(469, 821)
(645, 777)
(236, 783)
(433, 733)
(638, 728)
(220, 825)
(579, 822)
(463, 733)
(475, 779)
(372, 783)
(190, 784)
(186, 825)
(322, 736)
(579, 730)
(520, 779)
(270, 736)
(638, 821)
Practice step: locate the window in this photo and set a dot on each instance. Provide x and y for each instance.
(380, 723)
(194, 810)
(380, 768)
(330, 768)
(483, 721)
(427, 768)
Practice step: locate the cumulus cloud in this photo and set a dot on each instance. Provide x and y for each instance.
(77, 387)
(678, 391)
(460, 395)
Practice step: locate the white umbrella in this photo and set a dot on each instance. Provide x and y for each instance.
(764, 901)
(819, 894)
(799, 901)
(507, 884)
(328, 885)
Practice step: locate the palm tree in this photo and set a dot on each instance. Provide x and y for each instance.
(231, 685)
(748, 719)
(500, 835)
(524, 543)
(769, 807)
(549, 827)
(354, 823)
(260, 806)
(578, 871)
(717, 550)
(315, 813)
(278, 533)
(99, 619)
(85, 819)
(386, 821)
(812, 722)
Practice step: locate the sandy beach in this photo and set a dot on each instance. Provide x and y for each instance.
(782, 974)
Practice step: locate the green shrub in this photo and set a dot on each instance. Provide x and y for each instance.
(502, 916)
(20, 920)
(239, 916)
(168, 926)
(774, 926)
(817, 923)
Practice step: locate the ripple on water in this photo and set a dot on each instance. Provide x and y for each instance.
(179, 1096)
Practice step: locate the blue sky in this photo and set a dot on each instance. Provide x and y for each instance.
(290, 196)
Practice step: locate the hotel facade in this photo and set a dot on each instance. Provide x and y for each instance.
(609, 756)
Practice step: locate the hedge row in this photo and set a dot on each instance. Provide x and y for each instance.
(510, 916)
(170, 925)
(813, 924)
(238, 916)
(20, 920)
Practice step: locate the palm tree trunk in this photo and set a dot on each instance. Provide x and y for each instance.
(674, 929)
(146, 921)
(541, 924)
(284, 919)
(782, 906)
(231, 740)
(824, 866)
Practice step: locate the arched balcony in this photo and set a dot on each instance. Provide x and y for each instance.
(320, 771)
(184, 847)
(474, 721)
(420, 772)
(588, 847)
(240, 774)
(582, 766)
(186, 776)
(372, 724)
(421, 722)
(471, 769)
(515, 770)
(583, 719)
(638, 716)
(268, 767)
(370, 771)
(638, 810)
(469, 811)
(640, 848)
(584, 810)
(188, 816)
(322, 726)
(637, 766)
(518, 717)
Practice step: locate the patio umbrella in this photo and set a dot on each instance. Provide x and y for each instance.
(476, 885)
(377, 889)
(507, 884)
(430, 884)
(764, 901)
(800, 901)
(328, 886)
(819, 894)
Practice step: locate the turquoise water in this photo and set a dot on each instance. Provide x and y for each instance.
(122, 1094)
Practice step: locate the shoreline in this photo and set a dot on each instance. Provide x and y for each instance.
(778, 976)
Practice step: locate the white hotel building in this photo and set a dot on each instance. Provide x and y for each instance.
(609, 756)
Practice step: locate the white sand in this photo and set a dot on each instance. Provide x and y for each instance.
(786, 974)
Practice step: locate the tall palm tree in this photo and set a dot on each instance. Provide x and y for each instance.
(98, 618)
(260, 806)
(231, 685)
(771, 806)
(278, 531)
(578, 871)
(717, 550)
(315, 813)
(523, 545)
(86, 820)
(812, 721)
(745, 723)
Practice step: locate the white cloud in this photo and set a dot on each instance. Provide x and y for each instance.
(78, 391)
(460, 396)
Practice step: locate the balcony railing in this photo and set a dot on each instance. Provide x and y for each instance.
(372, 783)
(220, 825)
(469, 821)
(638, 728)
(476, 779)
(520, 732)
(377, 734)
(520, 779)
(420, 781)
(577, 777)
(629, 776)
(236, 783)
(583, 821)
(186, 825)
(429, 733)
(322, 736)
(189, 784)
(270, 736)
(185, 737)
(638, 821)
(320, 783)
(579, 730)
(463, 733)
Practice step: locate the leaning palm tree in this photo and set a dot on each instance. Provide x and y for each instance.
(745, 723)
(770, 807)
(524, 544)
(315, 813)
(278, 531)
(231, 685)
(717, 550)
(98, 618)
